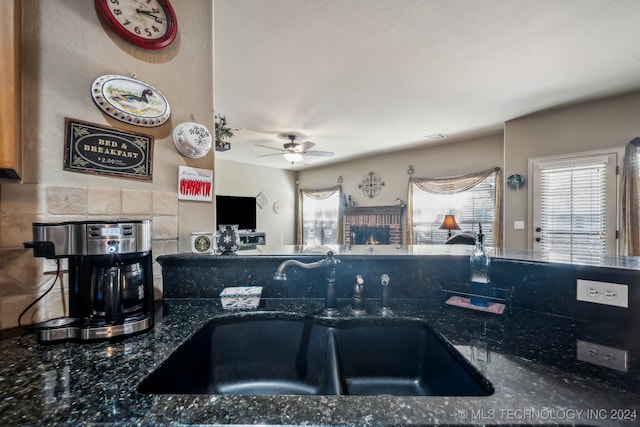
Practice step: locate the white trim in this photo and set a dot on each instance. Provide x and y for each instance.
(569, 159)
(572, 162)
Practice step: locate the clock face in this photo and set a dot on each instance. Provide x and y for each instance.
(149, 24)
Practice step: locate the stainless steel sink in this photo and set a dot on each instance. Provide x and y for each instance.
(271, 354)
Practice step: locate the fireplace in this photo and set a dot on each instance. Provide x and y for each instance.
(369, 235)
(377, 225)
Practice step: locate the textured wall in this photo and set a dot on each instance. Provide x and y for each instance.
(457, 158)
(239, 179)
(602, 124)
(65, 47)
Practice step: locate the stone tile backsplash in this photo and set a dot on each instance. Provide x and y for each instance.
(21, 278)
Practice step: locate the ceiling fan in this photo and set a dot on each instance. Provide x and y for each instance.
(294, 151)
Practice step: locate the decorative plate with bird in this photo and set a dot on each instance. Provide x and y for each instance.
(130, 100)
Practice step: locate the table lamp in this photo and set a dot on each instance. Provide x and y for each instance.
(449, 223)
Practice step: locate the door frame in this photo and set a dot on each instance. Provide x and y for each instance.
(618, 152)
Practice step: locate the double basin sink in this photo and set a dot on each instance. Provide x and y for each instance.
(266, 353)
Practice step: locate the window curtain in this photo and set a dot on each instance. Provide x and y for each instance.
(457, 184)
(630, 200)
(319, 194)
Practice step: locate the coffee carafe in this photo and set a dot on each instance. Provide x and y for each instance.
(110, 277)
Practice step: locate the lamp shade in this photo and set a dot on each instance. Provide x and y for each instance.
(449, 223)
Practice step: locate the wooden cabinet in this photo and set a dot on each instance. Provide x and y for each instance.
(10, 90)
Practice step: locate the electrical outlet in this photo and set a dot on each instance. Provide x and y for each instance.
(601, 355)
(603, 293)
(51, 266)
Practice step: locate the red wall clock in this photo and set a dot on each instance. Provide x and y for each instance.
(149, 24)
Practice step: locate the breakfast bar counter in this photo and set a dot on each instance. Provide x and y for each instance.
(528, 357)
(530, 353)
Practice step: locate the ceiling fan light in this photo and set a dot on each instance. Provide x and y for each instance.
(293, 157)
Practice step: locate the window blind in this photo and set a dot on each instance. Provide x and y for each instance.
(470, 207)
(320, 220)
(573, 207)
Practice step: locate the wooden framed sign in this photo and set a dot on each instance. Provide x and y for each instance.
(95, 149)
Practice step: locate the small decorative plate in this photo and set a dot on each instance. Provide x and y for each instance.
(515, 181)
(277, 206)
(130, 100)
(261, 200)
(192, 140)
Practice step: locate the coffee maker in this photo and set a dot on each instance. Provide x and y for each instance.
(110, 277)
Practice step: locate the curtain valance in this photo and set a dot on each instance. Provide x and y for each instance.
(457, 184)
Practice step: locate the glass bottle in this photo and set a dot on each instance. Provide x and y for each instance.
(480, 264)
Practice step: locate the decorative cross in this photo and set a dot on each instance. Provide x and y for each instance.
(371, 185)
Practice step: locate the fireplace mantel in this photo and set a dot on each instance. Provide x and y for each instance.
(375, 210)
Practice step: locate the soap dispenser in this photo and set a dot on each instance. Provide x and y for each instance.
(480, 263)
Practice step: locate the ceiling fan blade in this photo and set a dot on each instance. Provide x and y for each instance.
(267, 155)
(318, 153)
(304, 146)
(271, 148)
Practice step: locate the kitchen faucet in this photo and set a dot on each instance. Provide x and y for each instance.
(329, 263)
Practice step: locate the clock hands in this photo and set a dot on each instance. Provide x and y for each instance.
(149, 13)
(145, 12)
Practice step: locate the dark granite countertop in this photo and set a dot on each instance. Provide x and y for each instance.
(530, 358)
(594, 260)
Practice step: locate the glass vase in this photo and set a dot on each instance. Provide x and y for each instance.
(229, 238)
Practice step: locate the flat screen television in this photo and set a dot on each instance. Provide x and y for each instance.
(236, 210)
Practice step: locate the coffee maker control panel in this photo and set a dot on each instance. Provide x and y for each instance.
(79, 238)
(111, 238)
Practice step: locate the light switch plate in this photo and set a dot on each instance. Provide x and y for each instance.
(518, 225)
(602, 355)
(605, 293)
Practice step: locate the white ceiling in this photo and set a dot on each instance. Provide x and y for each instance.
(359, 77)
